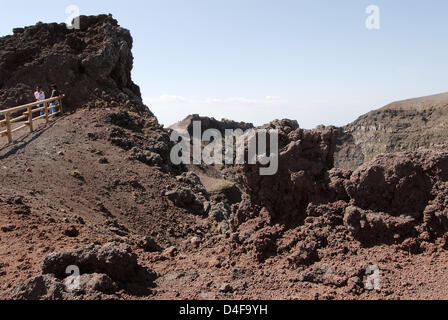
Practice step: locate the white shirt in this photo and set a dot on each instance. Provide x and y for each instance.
(39, 95)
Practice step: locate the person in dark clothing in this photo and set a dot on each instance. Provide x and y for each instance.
(54, 93)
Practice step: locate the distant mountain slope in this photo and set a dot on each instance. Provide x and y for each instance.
(400, 126)
(422, 103)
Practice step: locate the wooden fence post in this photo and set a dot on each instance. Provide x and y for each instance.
(30, 118)
(46, 112)
(60, 104)
(8, 126)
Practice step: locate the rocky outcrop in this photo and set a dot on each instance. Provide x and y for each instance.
(91, 66)
(401, 126)
(305, 156)
(143, 138)
(209, 123)
(189, 194)
(275, 204)
(309, 206)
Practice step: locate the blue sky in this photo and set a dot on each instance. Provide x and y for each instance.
(258, 60)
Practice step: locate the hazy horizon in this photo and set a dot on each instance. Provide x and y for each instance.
(255, 61)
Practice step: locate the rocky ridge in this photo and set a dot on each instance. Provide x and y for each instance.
(400, 126)
(91, 65)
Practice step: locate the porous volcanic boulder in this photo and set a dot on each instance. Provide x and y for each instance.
(184, 197)
(146, 140)
(189, 193)
(399, 184)
(93, 282)
(377, 227)
(43, 287)
(115, 260)
(48, 287)
(103, 270)
(399, 195)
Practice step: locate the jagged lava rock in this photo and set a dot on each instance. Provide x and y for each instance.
(399, 184)
(209, 123)
(305, 156)
(91, 64)
(43, 287)
(115, 260)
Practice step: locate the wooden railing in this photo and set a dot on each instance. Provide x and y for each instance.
(44, 106)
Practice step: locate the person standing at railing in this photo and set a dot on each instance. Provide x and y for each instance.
(40, 96)
(54, 93)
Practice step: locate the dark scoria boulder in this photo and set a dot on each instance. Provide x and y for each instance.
(103, 270)
(399, 184)
(371, 228)
(408, 184)
(90, 64)
(42, 287)
(116, 261)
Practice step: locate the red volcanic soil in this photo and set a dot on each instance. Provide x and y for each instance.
(69, 176)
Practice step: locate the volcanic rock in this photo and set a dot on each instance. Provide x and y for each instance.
(115, 260)
(305, 157)
(91, 64)
(8, 227)
(209, 123)
(43, 287)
